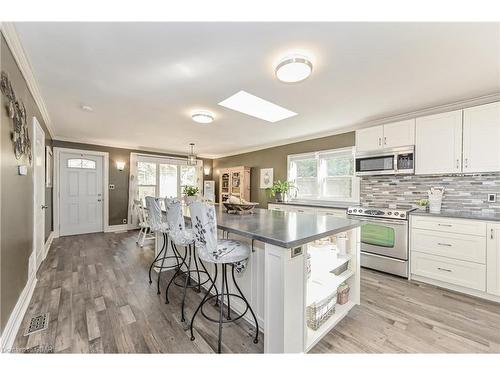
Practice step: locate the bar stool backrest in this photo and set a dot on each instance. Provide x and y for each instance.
(175, 218)
(204, 225)
(155, 215)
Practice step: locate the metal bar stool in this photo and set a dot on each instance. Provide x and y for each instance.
(222, 253)
(180, 236)
(159, 226)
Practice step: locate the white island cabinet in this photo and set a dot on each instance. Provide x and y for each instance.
(276, 281)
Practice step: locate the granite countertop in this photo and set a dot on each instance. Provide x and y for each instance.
(342, 206)
(283, 229)
(460, 214)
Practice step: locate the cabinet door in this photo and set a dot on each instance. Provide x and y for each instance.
(493, 260)
(438, 143)
(370, 139)
(401, 133)
(482, 138)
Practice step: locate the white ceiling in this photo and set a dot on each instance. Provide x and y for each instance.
(143, 79)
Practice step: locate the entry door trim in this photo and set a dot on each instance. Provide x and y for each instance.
(57, 184)
(38, 254)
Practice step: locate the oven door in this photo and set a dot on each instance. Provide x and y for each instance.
(374, 165)
(385, 237)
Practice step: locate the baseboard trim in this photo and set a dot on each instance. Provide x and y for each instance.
(456, 288)
(16, 317)
(48, 243)
(116, 228)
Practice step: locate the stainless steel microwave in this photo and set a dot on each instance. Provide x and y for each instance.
(388, 161)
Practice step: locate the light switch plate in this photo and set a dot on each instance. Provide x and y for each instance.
(492, 197)
(111, 186)
(22, 170)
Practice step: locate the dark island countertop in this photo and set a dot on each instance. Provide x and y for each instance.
(283, 229)
(459, 214)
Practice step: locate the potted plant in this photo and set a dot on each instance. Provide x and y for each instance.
(422, 204)
(280, 189)
(190, 192)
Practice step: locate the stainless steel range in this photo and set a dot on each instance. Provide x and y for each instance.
(384, 238)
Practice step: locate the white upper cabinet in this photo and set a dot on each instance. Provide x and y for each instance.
(438, 143)
(370, 139)
(481, 144)
(401, 133)
(396, 134)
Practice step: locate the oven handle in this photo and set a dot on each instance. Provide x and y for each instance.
(392, 222)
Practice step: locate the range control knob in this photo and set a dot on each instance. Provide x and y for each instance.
(396, 213)
(360, 211)
(389, 213)
(355, 210)
(402, 215)
(349, 211)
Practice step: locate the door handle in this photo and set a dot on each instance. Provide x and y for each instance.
(444, 269)
(99, 200)
(44, 207)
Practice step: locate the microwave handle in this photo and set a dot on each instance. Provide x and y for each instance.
(395, 163)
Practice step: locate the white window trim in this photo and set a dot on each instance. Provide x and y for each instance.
(355, 181)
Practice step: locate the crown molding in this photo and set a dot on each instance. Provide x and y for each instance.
(490, 98)
(10, 34)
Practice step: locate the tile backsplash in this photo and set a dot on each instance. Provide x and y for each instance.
(462, 192)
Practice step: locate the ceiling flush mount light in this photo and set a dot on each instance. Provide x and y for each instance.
(86, 108)
(191, 159)
(203, 117)
(293, 68)
(257, 107)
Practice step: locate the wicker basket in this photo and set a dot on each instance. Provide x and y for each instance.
(319, 311)
(343, 294)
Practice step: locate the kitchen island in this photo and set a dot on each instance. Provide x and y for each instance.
(279, 275)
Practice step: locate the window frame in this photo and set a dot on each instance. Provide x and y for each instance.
(178, 163)
(322, 177)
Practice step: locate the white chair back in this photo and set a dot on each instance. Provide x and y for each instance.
(204, 225)
(175, 218)
(155, 215)
(141, 212)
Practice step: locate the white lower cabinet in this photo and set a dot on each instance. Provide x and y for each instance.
(453, 271)
(493, 259)
(458, 254)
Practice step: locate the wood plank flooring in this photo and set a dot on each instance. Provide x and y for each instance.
(96, 290)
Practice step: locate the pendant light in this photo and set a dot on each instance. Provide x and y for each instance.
(191, 159)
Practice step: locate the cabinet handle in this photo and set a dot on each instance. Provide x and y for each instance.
(380, 141)
(466, 163)
(444, 269)
(458, 163)
(385, 140)
(444, 244)
(491, 233)
(445, 225)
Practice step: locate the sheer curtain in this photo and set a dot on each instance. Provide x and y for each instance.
(132, 191)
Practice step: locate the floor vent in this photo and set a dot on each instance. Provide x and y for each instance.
(37, 324)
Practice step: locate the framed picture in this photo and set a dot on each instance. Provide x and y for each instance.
(48, 166)
(266, 178)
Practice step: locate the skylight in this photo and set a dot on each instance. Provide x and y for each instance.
(257, 107)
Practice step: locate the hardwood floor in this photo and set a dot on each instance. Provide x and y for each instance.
(96, 291)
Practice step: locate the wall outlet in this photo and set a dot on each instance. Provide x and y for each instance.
(124, 221)
(111, 186)
(492, 197)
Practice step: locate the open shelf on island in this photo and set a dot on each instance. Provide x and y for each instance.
(313, 336)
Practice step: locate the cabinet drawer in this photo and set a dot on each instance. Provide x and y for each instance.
(333, 212)
(451, 245)
(458, 272)
(473, 227)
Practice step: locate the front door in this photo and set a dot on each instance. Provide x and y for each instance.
(39, 192)
(81, 193)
